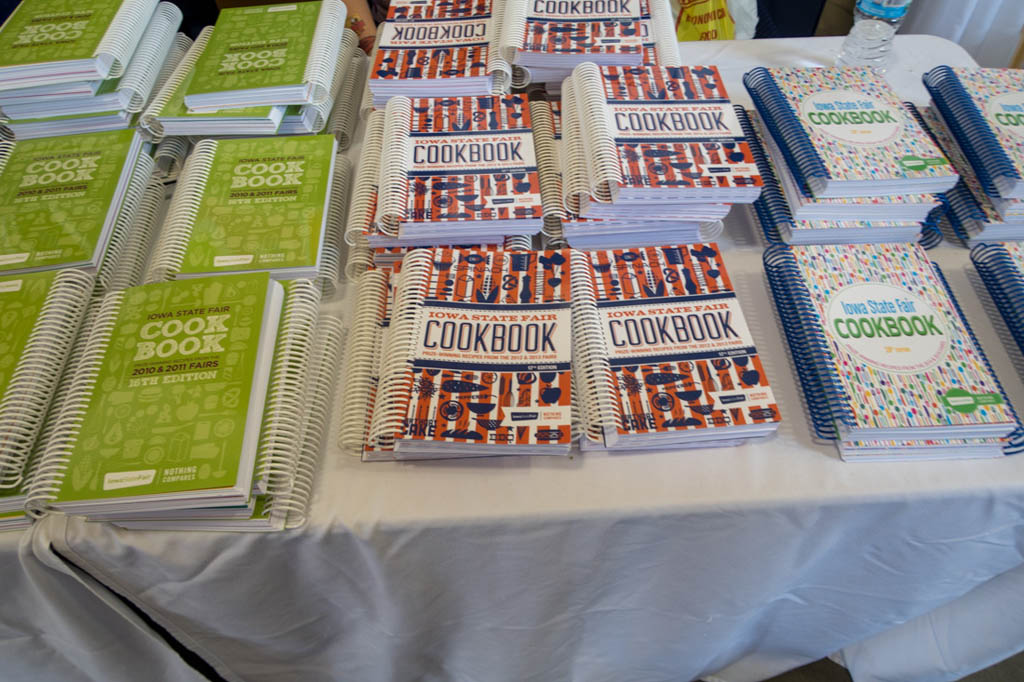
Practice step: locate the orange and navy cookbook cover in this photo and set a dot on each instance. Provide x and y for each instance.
(678, 345)
(675, 127)
(492, 360)
(435, 41)
(557, 27)
(472, 159)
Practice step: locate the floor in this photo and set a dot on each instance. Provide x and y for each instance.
(1010, 670)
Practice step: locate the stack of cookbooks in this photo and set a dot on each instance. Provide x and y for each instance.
(652, 144)
(977, 115)
(66, 68)
(447, 171)
(470, 355)
(262, 75)
(843, 149)
(889, 367)
(424, 46)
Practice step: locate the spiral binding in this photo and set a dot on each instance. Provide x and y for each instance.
(575, 186)
(518, 242)
(366, 106)
(521, 77)
(130, 266)
(511, 28)
(121, 230)
(314, 116)
(38, 370)
(553, 234)
(149, 121)
(499, 69)
(393, 183)
(363, 206)
(137, 83)
(547, 158)
(345, 115)
(284, 414)
(322, 61)
(179, 48)
(827, 402)
(361, 359)
(48, 475)
(931, 234)
(169, 156)
(593, 379)
(783, 124)
(980, 145)
(181, 215)
(1016, 439)
(6, 149)
(118, 44)
(662, 25)
(711, 230)
(602, 156)
(337, 209)
(1004, 280)
(770, 207)
(358, 258)
(293, 505)
(394, 388)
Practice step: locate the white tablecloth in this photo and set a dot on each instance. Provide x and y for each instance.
(738, 562)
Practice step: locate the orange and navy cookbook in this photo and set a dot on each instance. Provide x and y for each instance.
(477, 360)
(654, 139)
(673, 361)
(456, 170)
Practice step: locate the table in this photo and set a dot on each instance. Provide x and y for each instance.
(737, 563)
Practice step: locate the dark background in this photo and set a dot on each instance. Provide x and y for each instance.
(776, 18)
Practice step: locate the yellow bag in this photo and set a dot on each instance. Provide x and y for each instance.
(704, 20)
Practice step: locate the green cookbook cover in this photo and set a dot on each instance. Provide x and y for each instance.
(257, 47)
(55, 30)
(179, 389)
(55, 195)
(263, 204)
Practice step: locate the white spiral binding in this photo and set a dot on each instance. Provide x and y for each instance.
(37, 372)
(345, 115)
(602, 156)
(393, 183)
(518, 242)
(499, 69)
(149, 121)
(48, 474)
(6, 149)
(710, 231)
(137, 83)
(553, 233)
(169, 156)
(662, 26)
(337, 210)
(591, 371)
(362, 351)
(118, 44)
(314, 116)
(366, 106)
(293, 505)
(512, 26)
(122, 227)
(323, 53)
(131, 264)
(521, 76)
(547, 158)
(395, 386)
(6, 134)
(363, 206)
(575, 185)
(284, 414)
(181, 215)
(179, 48)
(358, 258)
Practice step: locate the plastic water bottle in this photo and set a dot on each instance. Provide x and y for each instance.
(869, 42)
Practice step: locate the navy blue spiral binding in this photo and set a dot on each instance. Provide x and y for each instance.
(1005, 283)
(968, 125)
(770, 206)
(828, 404)
(931, 234)
(961, 206)
(783, 124)
(1016, 439)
